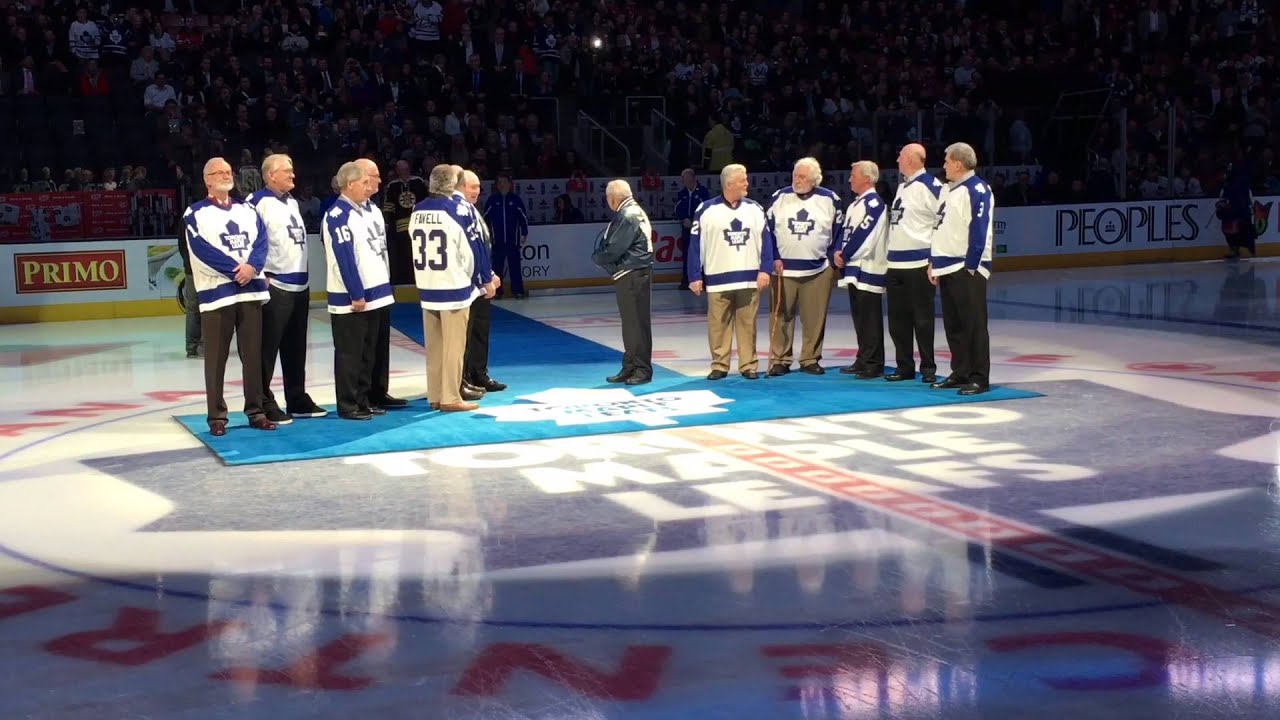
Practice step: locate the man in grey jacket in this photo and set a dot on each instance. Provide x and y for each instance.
(625, 251)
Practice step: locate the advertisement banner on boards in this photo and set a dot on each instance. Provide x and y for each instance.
(1109, 227)
(108, 271)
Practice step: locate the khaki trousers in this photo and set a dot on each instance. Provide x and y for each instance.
(446, 335)
(813, 295)
(730, 313)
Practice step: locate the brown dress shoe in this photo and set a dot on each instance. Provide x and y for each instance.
(435, 406)
(459, 407)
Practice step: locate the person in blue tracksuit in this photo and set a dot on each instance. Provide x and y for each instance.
(504, 211)
(688, 199)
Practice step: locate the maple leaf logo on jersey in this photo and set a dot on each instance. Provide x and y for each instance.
(235, 240)
(736, 235)
(296, 232)
(801, 225)
(378, 243)
(942, 213)
(1261, 216)
(571, 406)
(896, 212)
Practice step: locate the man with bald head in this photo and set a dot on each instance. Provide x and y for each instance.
(228, 248)
(910, 294)
(475, 364)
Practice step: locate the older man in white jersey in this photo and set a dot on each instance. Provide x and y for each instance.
(805, 222)
(907, 287)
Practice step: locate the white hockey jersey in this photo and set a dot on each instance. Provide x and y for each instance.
(804, 229)
(356, 256)
(447, 260)
(220, 239)
(866, 243)
(286, 266)
(911, 220)
(962, 236)
(727, 245)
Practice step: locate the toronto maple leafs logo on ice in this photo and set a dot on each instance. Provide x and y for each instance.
(234, 239)
(736, 235)
(800, 225)
(569, 406)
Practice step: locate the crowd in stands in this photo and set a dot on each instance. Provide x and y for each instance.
(100, 96)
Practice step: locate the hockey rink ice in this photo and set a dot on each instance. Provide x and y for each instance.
(1102, 543)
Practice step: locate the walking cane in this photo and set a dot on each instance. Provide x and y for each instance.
(775, 300)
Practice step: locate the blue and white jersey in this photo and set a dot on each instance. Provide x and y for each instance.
(866, 243)
(220, 239)
(727, 245)
(379, 223)
(962, 234)
(804, 229)
(286, 266)
(450, 263)
(911, 220)
(356, 255)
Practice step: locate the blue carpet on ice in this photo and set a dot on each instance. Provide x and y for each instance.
(565, 374)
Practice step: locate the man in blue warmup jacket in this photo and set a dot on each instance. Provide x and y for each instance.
(504, 211)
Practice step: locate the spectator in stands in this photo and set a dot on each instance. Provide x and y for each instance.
(566, 212)
(158, 93)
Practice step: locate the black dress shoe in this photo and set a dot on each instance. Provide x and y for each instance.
(470, 392)
(779, 370)
(853, 369)
(929, 379)
(717, 375)
(865, 375)
(899, 377)
(974, 389)
(375, 410)
(948, 383)
(491, 385)
(751, 375)
(638, 380)
(390, 402)
(814, 369)
(356, 415)
(620, 377)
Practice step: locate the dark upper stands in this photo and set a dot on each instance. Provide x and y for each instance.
(141, 96)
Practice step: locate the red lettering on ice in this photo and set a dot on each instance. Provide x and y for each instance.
(29, 599)
(635, 679)
(168, 396)
(16, 429)
(86, 410)
(1154, 654)
(1267, 376)
(315, 671)
(136, 626)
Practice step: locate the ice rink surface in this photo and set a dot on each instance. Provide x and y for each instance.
(1106, 550)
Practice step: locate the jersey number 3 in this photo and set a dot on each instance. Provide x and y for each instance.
(421, 239)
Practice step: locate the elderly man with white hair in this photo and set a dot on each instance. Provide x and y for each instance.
(228, 247)
(730, 257)
(805, 222)
(625, 251)
(960, 263)
(379, 396)
(359, 285)
(451, 269)
(864, 259)
(284, 319)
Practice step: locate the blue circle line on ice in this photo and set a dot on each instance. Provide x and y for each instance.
(620, 627)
